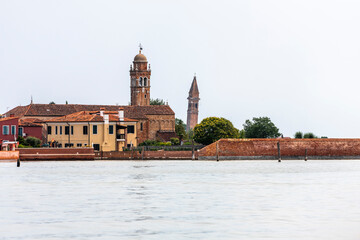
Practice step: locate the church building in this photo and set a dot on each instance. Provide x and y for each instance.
(153, 122)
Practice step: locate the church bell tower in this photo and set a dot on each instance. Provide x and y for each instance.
(140, 74)
(193, 106)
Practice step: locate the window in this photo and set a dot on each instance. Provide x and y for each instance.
(85, 130)
(145, 96)
(94, 129)
(111, 129)
(13, 130)
(56, 130)
(196, 105)
(145, 82)
(5, 130)
(60, 145)
(130, 129)
(141, 126)
(21, 131)
(67, 128)
(96, 146)
(128, 145)
(49, 130)
(79, 145)
(69, 145)
(60, 130)
(140, 81)
(72, 130)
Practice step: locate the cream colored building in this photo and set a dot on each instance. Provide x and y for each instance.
(102, 130)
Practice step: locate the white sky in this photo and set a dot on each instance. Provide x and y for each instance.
(297, 62)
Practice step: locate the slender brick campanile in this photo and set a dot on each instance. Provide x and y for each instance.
(140, 80)
(193, 106)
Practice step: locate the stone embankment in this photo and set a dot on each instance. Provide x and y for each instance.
(248, 149)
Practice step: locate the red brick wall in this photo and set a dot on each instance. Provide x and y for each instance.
(56, 153)
(174, 155)
(288, 147)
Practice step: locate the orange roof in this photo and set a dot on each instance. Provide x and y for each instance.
(30, 122)
(89, 116)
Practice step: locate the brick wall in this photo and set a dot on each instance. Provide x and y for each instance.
(288, 147)
(56, 153)
(148, 155)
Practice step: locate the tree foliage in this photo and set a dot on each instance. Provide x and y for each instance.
(32, 141)
(52, 102)
(260, 127)
(298, 134)
(212, 129)
(157, 101)
(310, 135)
(180, 129)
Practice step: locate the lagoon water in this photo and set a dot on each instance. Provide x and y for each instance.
(180, 200)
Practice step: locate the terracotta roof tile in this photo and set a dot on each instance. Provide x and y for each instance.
(88, 116)
(56, 110)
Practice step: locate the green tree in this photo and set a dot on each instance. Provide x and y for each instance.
(52, 102)
(157, 101)
(242, 133)
(33, 141)
(260, 127)
(212, 129)
(310, 135)
(298, 134)
(180, 128)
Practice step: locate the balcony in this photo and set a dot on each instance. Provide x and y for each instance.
(120, 137)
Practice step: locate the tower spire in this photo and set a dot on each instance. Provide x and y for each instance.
(140, 47)
(193, 105)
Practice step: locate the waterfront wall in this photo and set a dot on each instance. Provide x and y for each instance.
(289, 149)
(56, 154)
(146, 155)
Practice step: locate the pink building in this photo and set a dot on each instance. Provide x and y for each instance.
(12, 127)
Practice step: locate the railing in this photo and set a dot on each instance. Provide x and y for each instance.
(120, 136)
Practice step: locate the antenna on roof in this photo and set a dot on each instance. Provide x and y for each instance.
(31, 102)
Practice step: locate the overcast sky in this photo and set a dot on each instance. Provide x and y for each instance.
(297, 62)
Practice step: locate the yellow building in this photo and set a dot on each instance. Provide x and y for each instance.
(102, 130)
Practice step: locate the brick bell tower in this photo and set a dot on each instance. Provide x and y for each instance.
(193, 106)
(140, 80)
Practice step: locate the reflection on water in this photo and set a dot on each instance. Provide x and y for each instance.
(180, 200)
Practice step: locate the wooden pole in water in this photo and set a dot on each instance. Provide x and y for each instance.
(193, 150)
(217, 151)
(279, 154)
(18, 162)
(306, 154)
(142, 153)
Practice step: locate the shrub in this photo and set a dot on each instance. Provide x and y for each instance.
(33, 141)
(174, 141)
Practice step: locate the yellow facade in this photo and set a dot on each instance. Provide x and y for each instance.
(93, 134)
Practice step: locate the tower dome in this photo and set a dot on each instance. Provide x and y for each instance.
(140, 57)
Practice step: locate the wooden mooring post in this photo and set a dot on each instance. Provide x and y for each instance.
(142, 153)
(279, 153)
(193, 150)
(217, 151)
(18, 162)
(306, 158)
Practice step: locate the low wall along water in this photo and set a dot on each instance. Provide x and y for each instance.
(289, 149)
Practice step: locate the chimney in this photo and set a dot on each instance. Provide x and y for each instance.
(12, 115)
(102, 111)
(121, 114)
